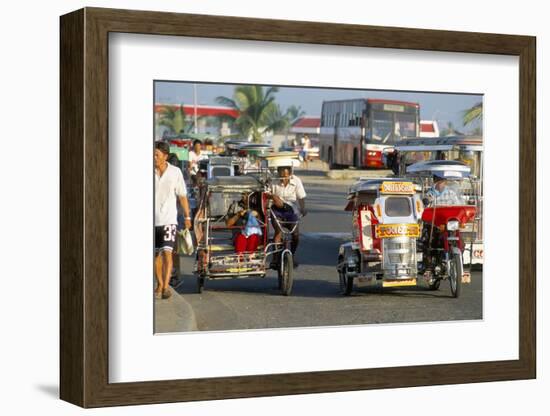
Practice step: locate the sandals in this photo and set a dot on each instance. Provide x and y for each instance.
(166, 293)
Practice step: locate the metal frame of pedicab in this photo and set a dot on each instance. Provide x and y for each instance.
(423, 172)
(447, 145)
(227, 264)
(383, 250)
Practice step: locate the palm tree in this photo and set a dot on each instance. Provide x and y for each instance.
(258, 112)
(293, 112)
(173, 117)
(450, 130)
(472, 114)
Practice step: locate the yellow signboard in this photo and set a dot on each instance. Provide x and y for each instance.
(397, 230)
(401, 188)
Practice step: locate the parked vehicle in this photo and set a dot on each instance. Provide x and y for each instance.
(362, 132)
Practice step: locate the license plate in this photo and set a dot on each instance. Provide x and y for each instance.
(362, 281)
(399, 283)
(397, 230)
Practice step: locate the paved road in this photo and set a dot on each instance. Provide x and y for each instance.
(315, 300)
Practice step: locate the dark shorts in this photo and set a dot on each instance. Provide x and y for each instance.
(165, 237)
(285, 214)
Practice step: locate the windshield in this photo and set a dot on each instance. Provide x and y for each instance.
(405, 125)
(382, 125)
(389, 127)
(397, 206)
(451, 192)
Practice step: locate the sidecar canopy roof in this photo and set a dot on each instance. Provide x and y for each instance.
(234, 184)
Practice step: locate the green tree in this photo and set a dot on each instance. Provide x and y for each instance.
(173, 117)
(450, 130)
(293, 112)
(472, 114)
(258, 112)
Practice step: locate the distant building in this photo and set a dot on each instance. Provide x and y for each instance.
(205, 113)
(202, 110)
(306, 125)
(429, 128)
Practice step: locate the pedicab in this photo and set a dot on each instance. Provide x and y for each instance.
(216, 256)
(386, 214)
(448, 194)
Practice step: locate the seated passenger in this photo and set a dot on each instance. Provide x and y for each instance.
(239, 213)
(441, 194)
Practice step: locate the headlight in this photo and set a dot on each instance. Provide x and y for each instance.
(452, 225)
(352, 260)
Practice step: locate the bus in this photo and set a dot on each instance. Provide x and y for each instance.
(362, 132)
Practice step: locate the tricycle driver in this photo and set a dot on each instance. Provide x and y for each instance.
(288, 195)
(441, 193)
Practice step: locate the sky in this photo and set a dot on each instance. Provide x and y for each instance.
(442, 107)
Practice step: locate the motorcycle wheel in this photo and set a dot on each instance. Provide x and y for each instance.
(285, 273)
(455, 275)
(346, 282)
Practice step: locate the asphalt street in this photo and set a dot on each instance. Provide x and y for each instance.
(253, 303)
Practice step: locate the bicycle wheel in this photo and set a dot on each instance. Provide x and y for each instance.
(285, 272)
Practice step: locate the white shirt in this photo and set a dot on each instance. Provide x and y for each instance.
(291, 192)
(194, 160)
(167, 187)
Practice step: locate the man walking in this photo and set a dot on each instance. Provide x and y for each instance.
(195, 156)
(169, 188)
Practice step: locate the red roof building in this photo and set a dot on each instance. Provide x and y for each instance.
(306, 125)
(429, 128)
(202, 110)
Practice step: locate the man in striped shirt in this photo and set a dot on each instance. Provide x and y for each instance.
(442, 194)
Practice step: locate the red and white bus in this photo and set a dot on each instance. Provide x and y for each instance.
(358, 132)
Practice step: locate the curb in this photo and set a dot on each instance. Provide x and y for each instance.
(174, 314)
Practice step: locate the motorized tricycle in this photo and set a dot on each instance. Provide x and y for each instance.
(466, 149)
(449, 206)
(386, 215)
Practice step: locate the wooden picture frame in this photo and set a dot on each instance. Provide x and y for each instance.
(84, 207)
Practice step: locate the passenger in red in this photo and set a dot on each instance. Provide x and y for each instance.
(247, 238)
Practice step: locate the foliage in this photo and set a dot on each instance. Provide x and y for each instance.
(293, 112)
(472, 114)
(450, 130)
(258, 112)
(173, 117)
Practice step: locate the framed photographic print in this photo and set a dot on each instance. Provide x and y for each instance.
(282, 207)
